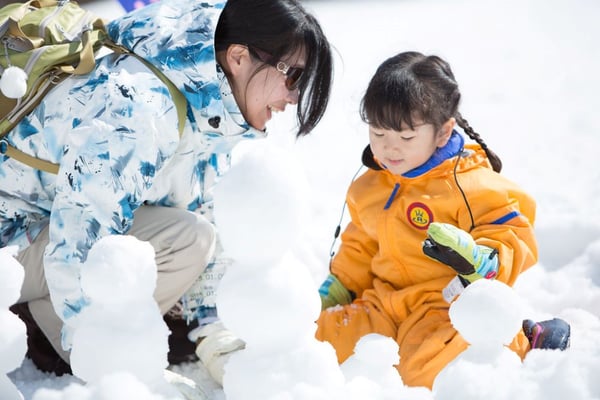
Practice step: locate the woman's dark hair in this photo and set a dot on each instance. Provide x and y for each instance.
(280, 28)
(411, 86)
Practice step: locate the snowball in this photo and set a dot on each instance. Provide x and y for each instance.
(118, 269)
(488, 312)
(374, 357)
(135, 340)
(288, 303)
(269, 199)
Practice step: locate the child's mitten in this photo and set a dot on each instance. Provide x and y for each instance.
(456, 248)
(333, 292)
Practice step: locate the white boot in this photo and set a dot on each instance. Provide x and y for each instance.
(216, 344)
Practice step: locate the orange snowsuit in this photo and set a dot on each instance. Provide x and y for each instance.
(398, 288)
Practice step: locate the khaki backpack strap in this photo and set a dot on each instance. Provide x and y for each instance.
(26, 159)
(178, 98)
(44, 3)
(87, 58)
(42, 88)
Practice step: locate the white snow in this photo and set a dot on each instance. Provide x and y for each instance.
(13, 339)
(527, 73)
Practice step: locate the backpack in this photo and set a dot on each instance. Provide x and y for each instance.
(51, 40)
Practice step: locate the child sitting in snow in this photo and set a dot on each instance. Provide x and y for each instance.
(429, 207)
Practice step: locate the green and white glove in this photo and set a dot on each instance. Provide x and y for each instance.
(457, 249)
(333, 292)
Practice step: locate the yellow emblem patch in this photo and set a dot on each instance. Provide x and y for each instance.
(419, 215)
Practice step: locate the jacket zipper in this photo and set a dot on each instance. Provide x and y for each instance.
(388, 204)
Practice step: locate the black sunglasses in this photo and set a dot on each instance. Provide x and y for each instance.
(292, 74)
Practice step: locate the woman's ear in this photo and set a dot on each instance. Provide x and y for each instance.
(236, 58)
(445, 132)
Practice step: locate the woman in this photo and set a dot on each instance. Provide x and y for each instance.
(123, 166)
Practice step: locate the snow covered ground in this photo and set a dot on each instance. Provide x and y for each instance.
(527, 73)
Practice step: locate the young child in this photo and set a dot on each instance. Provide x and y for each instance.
(429, 207)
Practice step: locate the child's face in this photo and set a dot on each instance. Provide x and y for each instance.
(402, 151)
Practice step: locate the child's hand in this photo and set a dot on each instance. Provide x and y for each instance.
(456, 248)
(332, 293)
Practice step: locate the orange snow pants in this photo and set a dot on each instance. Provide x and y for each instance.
(416, 317)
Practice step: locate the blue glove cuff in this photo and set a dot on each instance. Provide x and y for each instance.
(487, 261)
(324, 288)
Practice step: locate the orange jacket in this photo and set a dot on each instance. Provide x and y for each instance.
(398, 288)
(390, 215)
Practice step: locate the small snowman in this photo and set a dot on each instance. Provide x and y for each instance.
(13, 334)
(122, 328)
(268, 297)
(488, 315)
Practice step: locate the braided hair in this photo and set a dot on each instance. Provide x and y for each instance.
(411, 86)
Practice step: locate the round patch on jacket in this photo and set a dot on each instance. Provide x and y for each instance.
(419, 215)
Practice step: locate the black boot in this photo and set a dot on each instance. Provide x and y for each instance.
(39, 349)
(181, 349)
(551, 334)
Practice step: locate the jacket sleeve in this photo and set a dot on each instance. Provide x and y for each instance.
(504, 218)
(107, 168)
(352, 264)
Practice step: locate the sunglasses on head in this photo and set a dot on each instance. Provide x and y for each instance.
(292, 74)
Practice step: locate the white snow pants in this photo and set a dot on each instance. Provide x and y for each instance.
(184, 243)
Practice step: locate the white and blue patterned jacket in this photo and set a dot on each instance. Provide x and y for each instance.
(114, 134)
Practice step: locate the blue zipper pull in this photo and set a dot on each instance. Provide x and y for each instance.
(391, 198)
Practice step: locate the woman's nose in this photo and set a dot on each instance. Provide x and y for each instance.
(292, 96)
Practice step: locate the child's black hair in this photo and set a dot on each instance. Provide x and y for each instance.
(413, 87)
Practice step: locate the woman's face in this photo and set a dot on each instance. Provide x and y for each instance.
(260, 89)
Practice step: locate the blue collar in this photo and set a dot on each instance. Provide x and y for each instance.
(452, 148)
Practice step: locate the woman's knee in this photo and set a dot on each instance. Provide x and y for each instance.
(196, 240)
(181, 239)
(182, 257)
(205, 240)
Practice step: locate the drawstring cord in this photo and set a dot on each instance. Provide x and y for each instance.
(338, 228)
(464, 196)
